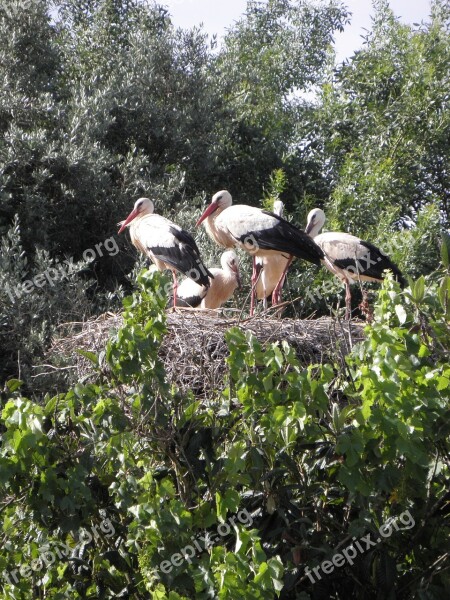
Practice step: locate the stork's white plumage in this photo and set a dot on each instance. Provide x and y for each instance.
(189, 294)
(226, 281)
(258, 232)
(165, 243)
(222, 287)
(271, 268)
(352, 259)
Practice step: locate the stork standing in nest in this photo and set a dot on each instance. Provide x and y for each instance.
(226, 281)
(166, 244)
(271, 269)
(352, 259)
(259, 232)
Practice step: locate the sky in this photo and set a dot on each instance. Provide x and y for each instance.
(218, 15)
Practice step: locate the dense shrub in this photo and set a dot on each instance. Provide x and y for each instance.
(37, 293)
(257, 486)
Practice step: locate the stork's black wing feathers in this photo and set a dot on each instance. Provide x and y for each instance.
(184, 256)
(285, 237)
(372, 264)
(185, 262)
(184, 237)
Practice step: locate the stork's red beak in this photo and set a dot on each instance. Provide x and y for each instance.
(133, 214)
(209, 211)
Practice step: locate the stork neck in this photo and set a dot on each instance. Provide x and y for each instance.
(215, 232)
(210, 225)
(315, 230)
(228, 271)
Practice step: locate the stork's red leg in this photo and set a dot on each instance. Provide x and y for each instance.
(255, 275)
(175, 289)
(348, 301)
(257, 269)
(276, 294)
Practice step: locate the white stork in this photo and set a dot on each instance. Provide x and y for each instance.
(258, 232)
(271, 269)
(222, 287)
(353, 259)
(165, 243)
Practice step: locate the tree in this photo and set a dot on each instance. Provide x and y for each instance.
(385, 123)
(274, 53)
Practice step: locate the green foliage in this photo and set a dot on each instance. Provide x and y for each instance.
(373, 443)
(415, 248)
(385, 123)
(277, 185)
(276, 50)
(235, 496)
(36, 294)
(131, 454)
(381, 132)
(149, 494)
(275, 34)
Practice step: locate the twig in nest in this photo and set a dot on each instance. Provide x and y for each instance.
(194, 350)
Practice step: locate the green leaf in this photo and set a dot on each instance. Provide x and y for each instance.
(91, 356)
(263, 568)
(166, 488)
(418, 290)
(401, 313)
(298, 410)
(229, 502)
(13, 384)
(443, 383)
(445, 249)
(189, 412)
(444, 293)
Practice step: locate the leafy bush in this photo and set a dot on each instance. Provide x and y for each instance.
(246, 494)
(37, 293)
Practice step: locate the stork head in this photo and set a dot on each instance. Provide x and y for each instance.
(220, 201)
(278, 208)
(315, 222)
(143, 206)
(229, 262)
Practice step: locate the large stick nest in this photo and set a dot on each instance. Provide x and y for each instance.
(194, 349)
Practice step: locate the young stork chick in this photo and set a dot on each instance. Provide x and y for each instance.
(165, 243)
(352, 259)
(258, 232)
(226, 281)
